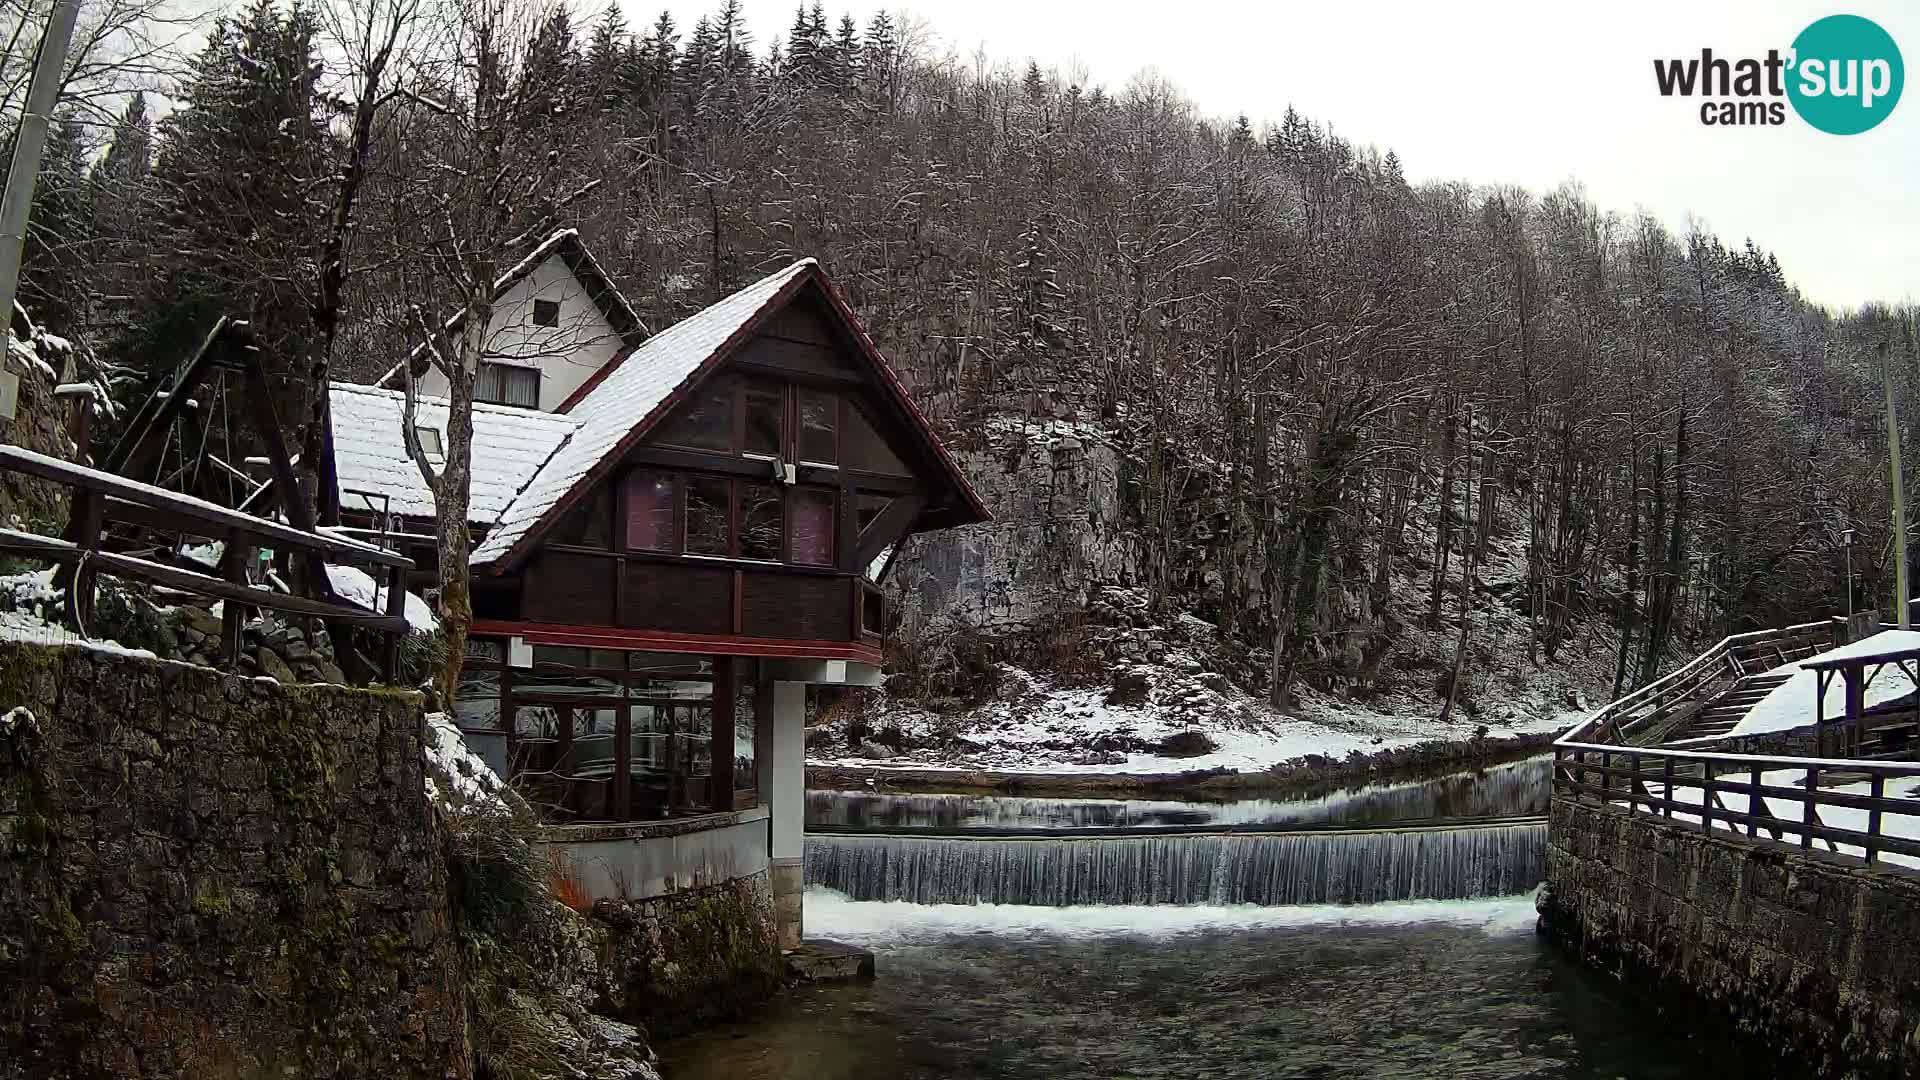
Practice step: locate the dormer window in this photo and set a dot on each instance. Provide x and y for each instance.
(546, 313)
(507, 384)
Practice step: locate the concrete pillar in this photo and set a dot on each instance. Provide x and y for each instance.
(783, 783)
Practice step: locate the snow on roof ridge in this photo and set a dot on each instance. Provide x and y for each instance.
(442, 402)
(627, 397)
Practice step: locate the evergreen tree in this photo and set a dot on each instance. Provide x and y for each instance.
(803, 49)
(607, 54)
(235, 202)
(846, 55)
(552, 71)
(56, 261)
(121, 190)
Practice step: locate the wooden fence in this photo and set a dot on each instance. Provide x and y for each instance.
(1864, 812)
(100, 498)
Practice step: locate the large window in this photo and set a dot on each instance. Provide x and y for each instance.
(810, 518)
(507, 384)
(706, 422)
(597, 734)
(709, 531)
(650, 507)
(762, 416)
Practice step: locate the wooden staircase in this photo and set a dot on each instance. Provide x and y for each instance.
(1722, 712)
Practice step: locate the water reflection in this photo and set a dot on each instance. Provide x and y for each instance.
(1499, 791)
(1347, 1000)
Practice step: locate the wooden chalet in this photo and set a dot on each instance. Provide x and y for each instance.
(676, 534)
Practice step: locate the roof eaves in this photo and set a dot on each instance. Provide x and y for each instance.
(808, 269)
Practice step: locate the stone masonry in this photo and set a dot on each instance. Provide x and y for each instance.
(204, 875)
(1809, 954)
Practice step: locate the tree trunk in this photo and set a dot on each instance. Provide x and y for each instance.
(1457, 672)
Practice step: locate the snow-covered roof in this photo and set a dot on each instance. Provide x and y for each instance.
(1791, 704)
(625, 396)
(509, 446)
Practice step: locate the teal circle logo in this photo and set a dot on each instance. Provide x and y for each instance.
(1847, 74)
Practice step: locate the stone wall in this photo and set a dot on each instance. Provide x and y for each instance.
(673, 963)
(205, 876)
(1810, 954)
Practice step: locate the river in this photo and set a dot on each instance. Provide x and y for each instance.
(1064, 989)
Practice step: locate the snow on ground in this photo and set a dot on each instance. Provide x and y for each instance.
(1791, 704)
(891, 924)
(357, 586)
(1794, 810)
(457, 778)
(30, 611)
(1035, 726)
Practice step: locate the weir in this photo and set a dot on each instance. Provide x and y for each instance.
(1314, 866)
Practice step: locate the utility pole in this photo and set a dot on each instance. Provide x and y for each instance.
(1899, 499)
(16, 203)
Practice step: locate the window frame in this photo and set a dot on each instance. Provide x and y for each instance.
(521, 370)
(543, 306)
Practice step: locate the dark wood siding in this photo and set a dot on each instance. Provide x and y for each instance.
(793, 356)
(683, 598)
(801, 321)
(562, 587)
(798, 606)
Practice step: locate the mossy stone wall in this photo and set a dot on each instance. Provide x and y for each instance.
(674, 963)
(1807, 957)
(212, 877)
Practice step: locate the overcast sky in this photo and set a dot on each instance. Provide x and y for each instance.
(1500, 91)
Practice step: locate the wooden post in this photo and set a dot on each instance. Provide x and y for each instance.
(397, 607)
(720, 774)
(89, 511)
(233, 567)
(620, 793)
(1667, 778)
(1878, 792)
(1706, 795)
(1806, 821)
(1756, 804)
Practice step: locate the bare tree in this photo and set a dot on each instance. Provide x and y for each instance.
(480, 187)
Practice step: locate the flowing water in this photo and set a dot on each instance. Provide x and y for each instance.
(1459, 989)
(1510, 790)
(1328, 866)
(1194, 940)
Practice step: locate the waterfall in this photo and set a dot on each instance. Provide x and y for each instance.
(1511, 789)
(1308, 867)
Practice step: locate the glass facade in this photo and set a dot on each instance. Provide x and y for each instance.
(611, 735)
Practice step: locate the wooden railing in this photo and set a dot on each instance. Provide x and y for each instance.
(103, 497)
(1727, 660)
(1745, 795)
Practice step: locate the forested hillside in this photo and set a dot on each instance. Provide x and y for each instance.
(1361, 434)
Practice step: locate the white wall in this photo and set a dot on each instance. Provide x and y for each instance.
(567, 354)
(626, 862)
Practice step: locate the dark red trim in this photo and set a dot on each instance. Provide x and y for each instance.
(599, 375)
(613, 637)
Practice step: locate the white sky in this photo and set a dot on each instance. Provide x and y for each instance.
(1500, 91)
